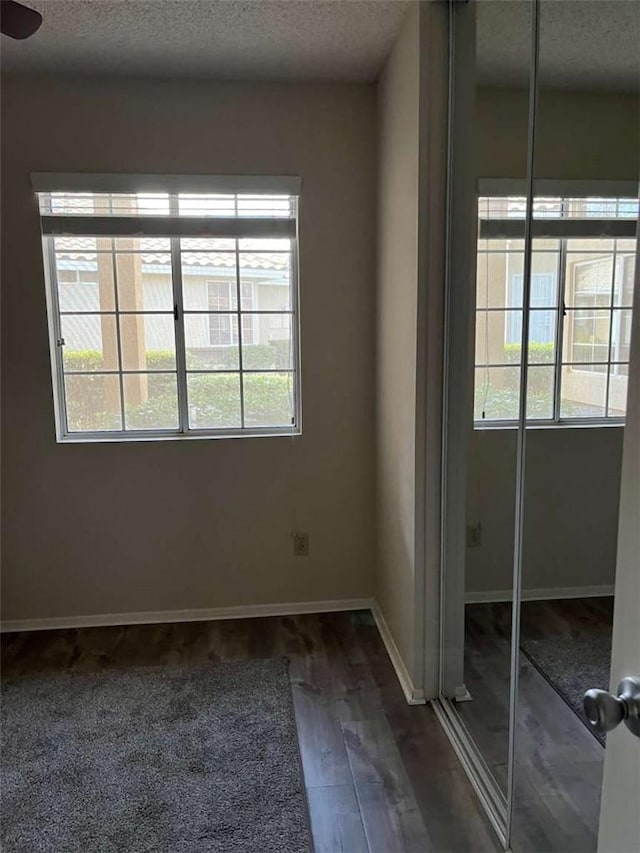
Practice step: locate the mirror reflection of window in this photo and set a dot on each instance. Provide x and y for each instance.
(579, 314)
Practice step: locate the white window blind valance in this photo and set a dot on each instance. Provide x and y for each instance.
(591, 210)
(86, 182)
(167, 205)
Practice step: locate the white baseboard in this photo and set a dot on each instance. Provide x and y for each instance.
(412, 695)
(544, 594)
(206, 614)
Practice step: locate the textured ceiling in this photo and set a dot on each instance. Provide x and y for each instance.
(584, 44)
(230, 39)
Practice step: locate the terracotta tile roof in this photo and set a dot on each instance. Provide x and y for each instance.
(83, 249)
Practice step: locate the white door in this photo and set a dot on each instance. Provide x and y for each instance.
(620, 810)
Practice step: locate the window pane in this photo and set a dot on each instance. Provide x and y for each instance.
(492, 277)
(230, 205)
(150, 247)
(267, 277)
(495, 277)
(621, 335)
(80, 244)
(542, 335)
(540, 392)
(151, 400)
(90, 342)
(498, 337)
(502, 207)
(207, 244)
(104, 204)
(625, 272)
(147, 341)
(544, 279)
(262, 244)
(496, 393)
(211, 341)
(598, 279)
(144, 278)
(583, 244)
(207, 204)
(276, 206)
(85, 279)
(189, 204)
(93, 403)
(586, 336)
(267, 342)
(268, 399)
(583, 391)
(209, 281)
(598, 207)
(589, 279)
(214, 400)
(618, 382)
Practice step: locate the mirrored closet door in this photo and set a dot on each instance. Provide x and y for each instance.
(583, 254)
(542, 227)
(488, 156)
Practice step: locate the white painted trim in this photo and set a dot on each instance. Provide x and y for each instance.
(412, 695)
(248, 611)
(543, 594)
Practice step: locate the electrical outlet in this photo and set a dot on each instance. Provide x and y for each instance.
(474, 535)
(300, 543)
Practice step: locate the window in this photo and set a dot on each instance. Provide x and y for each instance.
(223, 330)
(171, 314)
(582, 274)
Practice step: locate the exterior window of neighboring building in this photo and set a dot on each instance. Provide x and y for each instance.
(579, 311)
(223, 327)
(172, 314)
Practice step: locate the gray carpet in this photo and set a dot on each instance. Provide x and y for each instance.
(572, 664)
(163, 760)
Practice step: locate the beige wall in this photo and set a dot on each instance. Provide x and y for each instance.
(580, 135)
(411, 184)
(397, 303)
(111, 528)
(571, 508)
(573, 475)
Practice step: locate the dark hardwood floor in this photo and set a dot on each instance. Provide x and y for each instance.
(558, 773)
(381, 776)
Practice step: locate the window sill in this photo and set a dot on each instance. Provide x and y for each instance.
(481, 426)
(118, 438)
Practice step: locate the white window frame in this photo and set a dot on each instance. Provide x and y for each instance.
(172, 227)
(605, 228)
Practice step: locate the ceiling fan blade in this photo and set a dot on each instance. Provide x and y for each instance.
(18, 21)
